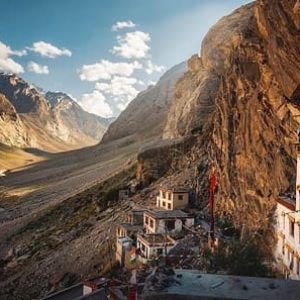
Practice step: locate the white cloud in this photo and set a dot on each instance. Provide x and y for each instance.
(10, 66)
(48, 50)
(95, 103)
(132, 45)
(151, 68)
(6, 51)
(122, 25)
(119, 86)
(7, 64)
(105, 69)
(120, 89)
(36, 68)
(151, 82)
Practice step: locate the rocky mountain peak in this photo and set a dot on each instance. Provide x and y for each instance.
(25, 98)
(53, 120)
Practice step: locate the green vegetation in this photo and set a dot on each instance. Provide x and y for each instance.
(242, 258)
(227, 228)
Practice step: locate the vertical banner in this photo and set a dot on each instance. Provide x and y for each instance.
(213, 184)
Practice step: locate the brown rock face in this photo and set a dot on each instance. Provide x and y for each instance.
(241, 102)
(278, 25)
(296, 12)
(13, 131)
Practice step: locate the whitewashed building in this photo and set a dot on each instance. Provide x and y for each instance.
(162, 221)
(154, 245)
(172, 198)
(288, 231)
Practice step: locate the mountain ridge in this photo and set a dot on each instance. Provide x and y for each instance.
(54, 124)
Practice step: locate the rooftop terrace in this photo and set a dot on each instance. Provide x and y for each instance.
(153, 239)
(192, 284)
(167, 214)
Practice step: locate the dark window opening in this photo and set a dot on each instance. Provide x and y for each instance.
(170, 225)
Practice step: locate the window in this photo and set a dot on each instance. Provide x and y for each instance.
(151, 223)
(159, 251)
(283, 221)
(170, 225)
(164, 204)
(180, 197)
(283, 248)
(298, 266)
(169, 196)
(292, 228)
(291, 266)
(169, 205)
(164, 195)
(146, 220)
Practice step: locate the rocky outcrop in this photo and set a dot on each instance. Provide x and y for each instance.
(13, 132)
(52, 122)
(240, 99)
(146, 116)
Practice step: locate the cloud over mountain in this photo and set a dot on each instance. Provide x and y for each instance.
(95, 103)
(7, 64)
(105, 69)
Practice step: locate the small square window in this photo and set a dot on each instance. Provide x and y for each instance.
(159, 251)
(146, 220)
(180, 197)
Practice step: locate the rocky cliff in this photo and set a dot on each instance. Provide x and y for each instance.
(236, 108)
(13, 131)
(51, 122)
(240, 101)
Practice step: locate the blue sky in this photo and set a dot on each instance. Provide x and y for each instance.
(69, 45)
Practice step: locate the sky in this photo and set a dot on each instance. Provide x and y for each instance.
(102, 52)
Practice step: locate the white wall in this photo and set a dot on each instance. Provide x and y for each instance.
(284, 237)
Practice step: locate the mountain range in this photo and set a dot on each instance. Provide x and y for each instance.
(233, 108)
(51, 121)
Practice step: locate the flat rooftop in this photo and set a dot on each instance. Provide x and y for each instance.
(176, 189)
(167, 214)
(287, 202)
(192, 284)
(130, 227)
(124, 239)
(153, 239)
(76, 292)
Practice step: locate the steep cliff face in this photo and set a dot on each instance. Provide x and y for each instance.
(254, 121)
(12, 131)
(52, 122)
(240, 99)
